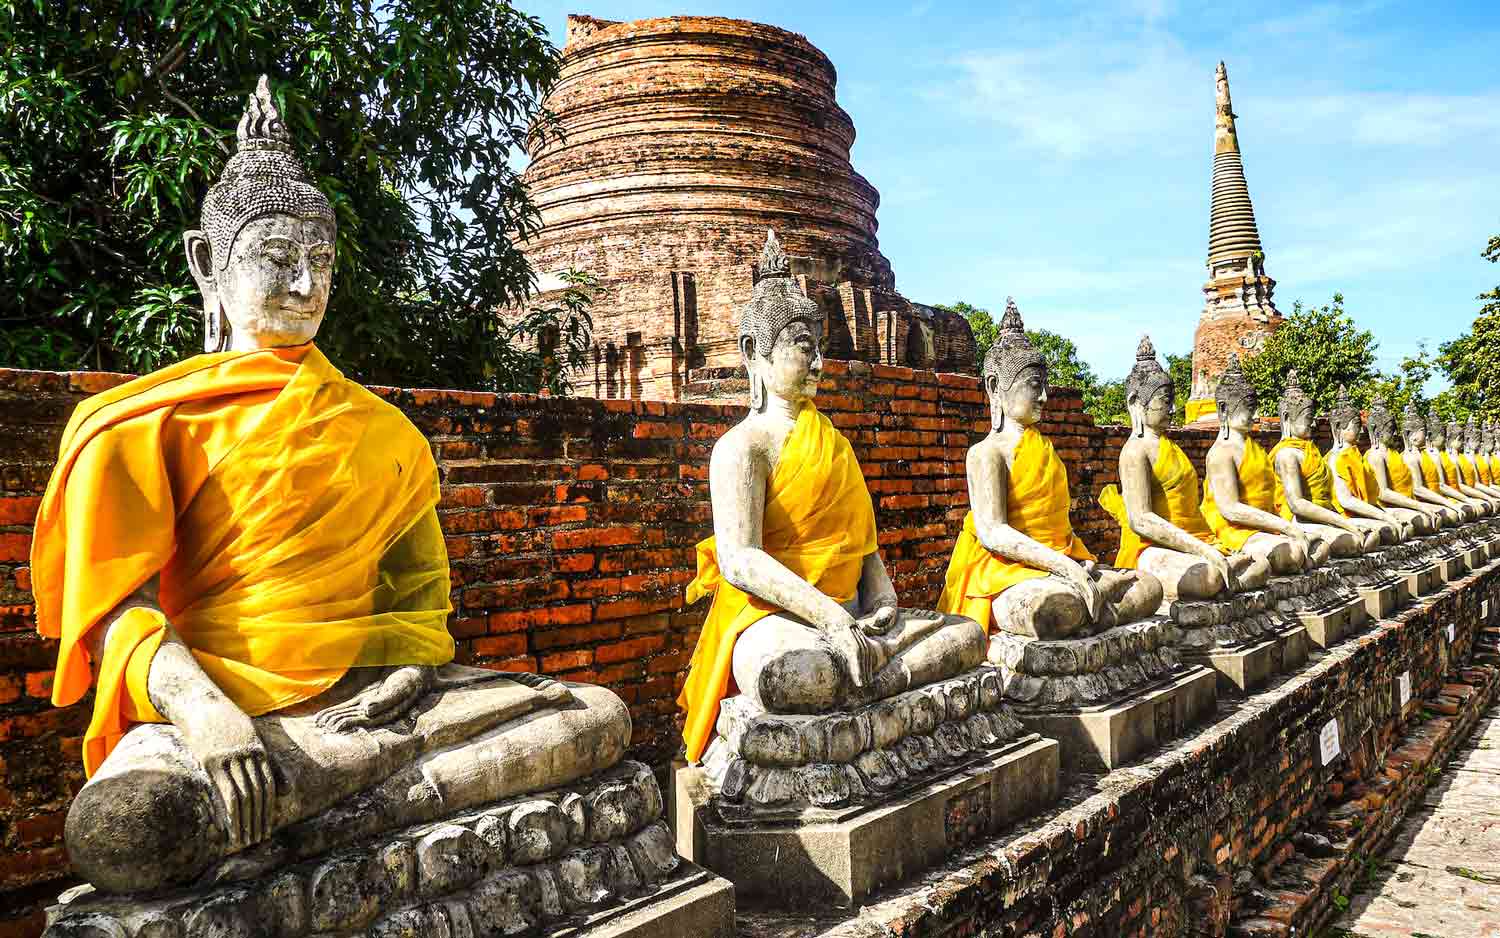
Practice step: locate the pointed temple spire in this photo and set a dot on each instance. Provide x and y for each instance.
(1238, 312)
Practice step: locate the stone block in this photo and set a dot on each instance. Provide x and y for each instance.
(1242, 670)
(1103, 738)
(1383, 600)
(842, 860)
(1294, 647)
(1452, 568)
(1423, 580)
(1326, 628)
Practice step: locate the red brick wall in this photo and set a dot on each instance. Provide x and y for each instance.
(571, 525)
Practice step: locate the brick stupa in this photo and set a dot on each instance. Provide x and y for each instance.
(679, 142)
(1238, 312)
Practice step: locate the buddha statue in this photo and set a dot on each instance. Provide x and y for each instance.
(1239, 501)
(1488, 450)
(1305, 493)
(1017, 566)
(240, 554)
(1390, 480)
(1356, 488)
(1472, 466)
(1422, 468)
(1162, 529)
(804, 618)
(1444, 474)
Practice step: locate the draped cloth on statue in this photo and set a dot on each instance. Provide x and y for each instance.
(1036, 504)
(1357, 475)
(1450, 471)
(1257, 489)
(1398, 474)
(1466, 466)
(1175, 496)
(1430, 477)
(289, 513)
(1482, 469)
(1315, 475)
(819, 524)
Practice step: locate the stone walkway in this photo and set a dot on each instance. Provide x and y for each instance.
(1440, 878)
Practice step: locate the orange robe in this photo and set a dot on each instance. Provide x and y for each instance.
(1482, 467)
(1357, 476)
(1258, 488)
(1315, 475)
(1036, 504)
(819, 523)
(288, 513)
(1398, 474)
(1175, 495)
(1466, 467)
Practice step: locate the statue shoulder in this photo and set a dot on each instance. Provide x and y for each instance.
(750, 444)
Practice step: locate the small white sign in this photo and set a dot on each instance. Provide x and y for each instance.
(1452, 633)
(1328, 741)
(1404, 685)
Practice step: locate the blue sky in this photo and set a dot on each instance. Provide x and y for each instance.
(1062, 153)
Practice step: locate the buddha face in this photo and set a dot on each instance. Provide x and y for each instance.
(1435, 437)
(274, 290)
(1238, 415)
(1298, 423)
(1416, 437)
(1349, 433)
(795, 365)
(1157, 411)
(1023, 401)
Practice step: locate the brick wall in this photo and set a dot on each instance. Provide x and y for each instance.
(571, 525)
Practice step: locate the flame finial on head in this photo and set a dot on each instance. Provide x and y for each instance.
(1412, 419)
(1381, 420)
(773, 260)
(1148, 377)
(1344, 412)
(261, 126)
(1294, 400)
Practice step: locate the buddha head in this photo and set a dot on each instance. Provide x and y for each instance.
(1345, 419)
(1149, 395)
(1413, 428)
(1487, 437)
(780, 334)
(1234, 399)
(1436, 430)
(1014, 373)
(1381, 421)
(1295, 409)
(264, 257)
(1471, 435)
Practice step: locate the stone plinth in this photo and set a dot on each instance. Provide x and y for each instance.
(848, 855)
(593, 858)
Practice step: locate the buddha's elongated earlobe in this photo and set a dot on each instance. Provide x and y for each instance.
(757, 392)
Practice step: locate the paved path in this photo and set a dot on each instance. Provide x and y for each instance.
(1441, 876)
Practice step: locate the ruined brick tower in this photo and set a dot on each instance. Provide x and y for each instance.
(680, 141)
(1238, 313)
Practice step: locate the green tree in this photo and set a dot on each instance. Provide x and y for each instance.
(1180, 367)
(1471, 362)
(116, 115)
(1324, 346)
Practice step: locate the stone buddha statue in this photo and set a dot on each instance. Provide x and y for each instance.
(1239, 501)
(1017, 566)
(241, 555)
(1305, 493)
(1356, 488)
(1425, 475)
(1445, 477)
(1473, 469)
(1162, 529)
(1391, 479)
(804, 617)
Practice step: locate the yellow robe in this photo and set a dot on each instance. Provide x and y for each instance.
(1175, 496)
(1358, 477)
(1257, 489)
(1430, 477)
(1466, 466)
(1450, 471)
(1482, 468)
(289, 513)
(1036, 504)
(1315, 475)
(1398, 474)
(819, 523)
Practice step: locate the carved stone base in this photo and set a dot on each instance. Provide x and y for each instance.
(1295, 646)
(1328, 627)
(1477, 556)
(1452, 568)
(594, 858)
(1241, 670)
(1102, 738)
(1423, 580)
(840, 861)
(1382, 601)
(1086, 672)
(1234, 622)
(771, 766)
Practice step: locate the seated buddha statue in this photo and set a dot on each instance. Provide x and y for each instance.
(1391, 480)
(1489, 450)
(1469, 461)
(1305, 493)
(1356, 490)
(1017, 565)
(1239, 501)
(241, 555)
(1444, 473)
(804, 617)
(1162, 530)
(1426, 477)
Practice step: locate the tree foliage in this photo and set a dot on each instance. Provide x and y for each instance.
(1327, 350)
(116, 115)
(1471, 362)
